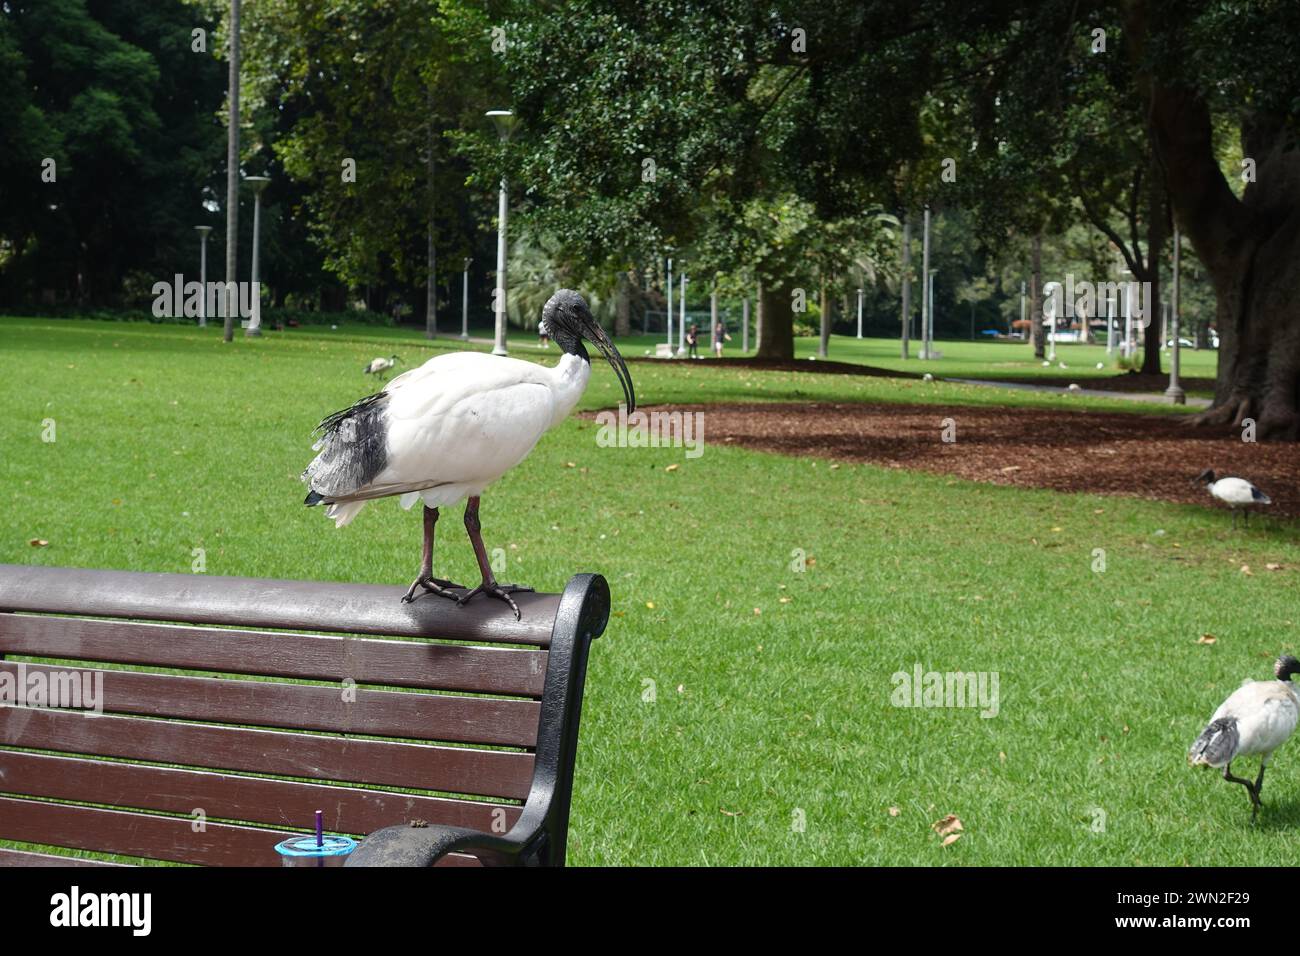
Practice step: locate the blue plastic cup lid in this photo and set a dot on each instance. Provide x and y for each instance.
(306, 846)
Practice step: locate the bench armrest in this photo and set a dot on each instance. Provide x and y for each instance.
(425, 846)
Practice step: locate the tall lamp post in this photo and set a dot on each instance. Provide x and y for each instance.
(504, 122)
(203, 232)
(670, 307)
(1175, 392)
(258, 183)
(464, 303)
(232, 178)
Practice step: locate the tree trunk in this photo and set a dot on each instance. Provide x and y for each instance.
(623, 304)
(1250, 248)
(1155, 247)
(823, 345)
(776, 335)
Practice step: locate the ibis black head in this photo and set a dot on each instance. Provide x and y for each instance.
(1206, 477)
(1286, 666)
(567, 320)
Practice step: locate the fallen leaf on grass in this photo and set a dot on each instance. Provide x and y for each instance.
(894, 811)
(1273, 566)
(949, 824)
(650, 605)
(671, 468)
(38, 542)
(730, 813)
(1245, 569)
(951, 839)
(1206, 639)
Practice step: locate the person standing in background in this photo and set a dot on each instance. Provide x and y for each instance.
(718, 337)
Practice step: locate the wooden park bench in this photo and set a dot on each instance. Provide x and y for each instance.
(459, 720)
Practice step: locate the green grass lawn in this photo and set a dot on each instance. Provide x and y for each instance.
(773, 686)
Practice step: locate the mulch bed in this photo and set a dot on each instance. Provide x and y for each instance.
(1141, 456)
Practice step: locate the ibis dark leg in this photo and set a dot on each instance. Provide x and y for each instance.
(426, 579)
(1250, 787)
(489, 585)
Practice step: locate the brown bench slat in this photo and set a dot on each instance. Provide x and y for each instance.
(246, 799)
(488, 773)
(260, 603)
(27, 858)
(476, 720)
(482, 670)
(137, 834)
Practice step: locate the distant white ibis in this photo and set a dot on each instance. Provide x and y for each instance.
(448, 429)
(1257, 718)
(1236, 493)
(381, 365)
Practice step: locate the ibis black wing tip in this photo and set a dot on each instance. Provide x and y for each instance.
(313, 498)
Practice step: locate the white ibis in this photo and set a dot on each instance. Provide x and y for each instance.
(1257, 718)
(448, 429)
(381, 365)
(1236, 493)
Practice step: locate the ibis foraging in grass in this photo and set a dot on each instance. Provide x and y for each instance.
(381, 365)
(1236, 493)
(1257, 718)
(448, 429)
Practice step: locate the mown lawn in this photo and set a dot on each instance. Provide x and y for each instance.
(771, 737)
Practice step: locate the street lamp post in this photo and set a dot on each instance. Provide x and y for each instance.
(927, 303)
(744, 325)
(670, 306)
(859, 313)
(504, 121)
(203, 232)
(681, 318)
(464, 303)
(258, 183)
(1175, 392)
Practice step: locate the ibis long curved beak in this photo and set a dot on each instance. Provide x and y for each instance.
(596, 335)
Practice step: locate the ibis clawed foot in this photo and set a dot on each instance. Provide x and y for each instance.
(1251, 788)
(426, 579)
(489, 586)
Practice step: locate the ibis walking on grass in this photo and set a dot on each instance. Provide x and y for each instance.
(381, 365)
(1257, 718)
(1237, 493)
(448, 429)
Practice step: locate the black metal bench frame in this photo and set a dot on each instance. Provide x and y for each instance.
(43, 612)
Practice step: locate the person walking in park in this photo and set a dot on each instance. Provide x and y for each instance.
(719, 336)
(692, 341)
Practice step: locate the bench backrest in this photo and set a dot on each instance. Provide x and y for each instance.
(309, 696)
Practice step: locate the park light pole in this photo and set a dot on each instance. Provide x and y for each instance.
(744, 325)
(681, 319)
(203, 232)
(232, 180)
(670, 306)
(1175, 392)
(258, 183)
(504, 121)
(906, 271)
(1023, 305)
(926, 285)
(464, 303)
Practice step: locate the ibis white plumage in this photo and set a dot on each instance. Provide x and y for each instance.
(448, 429)
(1237, 493)
(1257, 718)
(379, 366)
